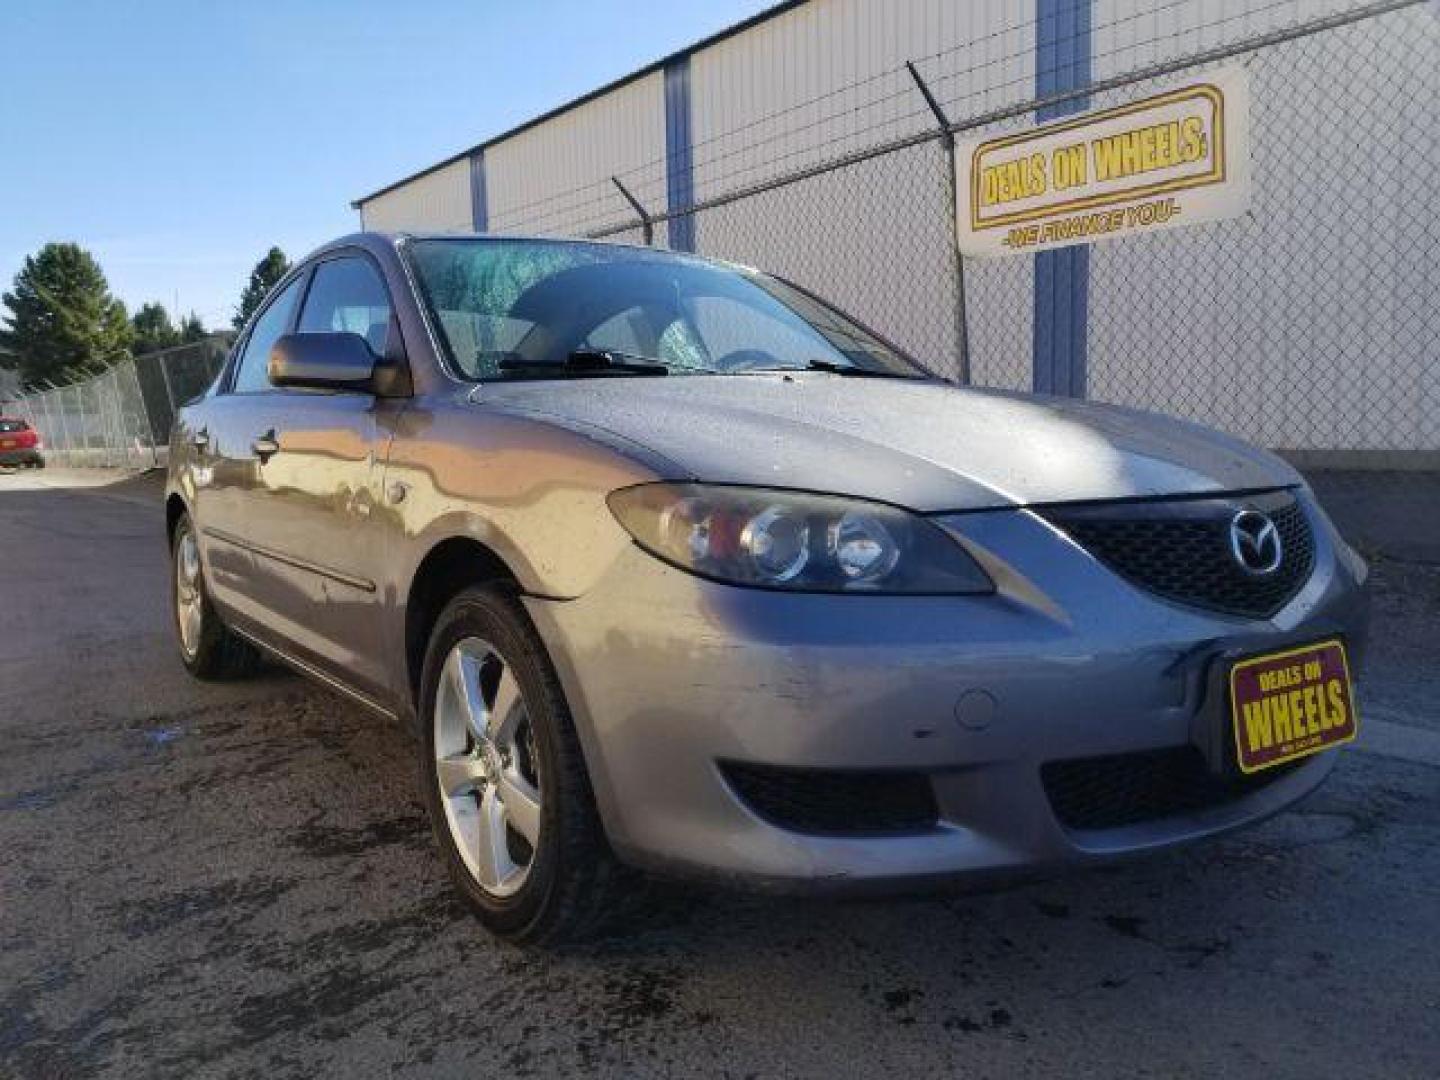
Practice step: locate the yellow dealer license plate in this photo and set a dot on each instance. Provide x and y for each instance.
(6, 444)
(1289, 704)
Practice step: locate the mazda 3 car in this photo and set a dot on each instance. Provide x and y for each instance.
(671, 565)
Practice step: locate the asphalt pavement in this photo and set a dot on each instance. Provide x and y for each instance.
(203, 881)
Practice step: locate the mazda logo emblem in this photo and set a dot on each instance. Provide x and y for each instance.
(1255, 542)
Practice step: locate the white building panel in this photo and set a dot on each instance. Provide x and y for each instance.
(555, 178)
(826, 79)
(1129, 35)
(439, 201)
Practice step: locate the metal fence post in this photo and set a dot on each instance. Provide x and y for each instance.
(144, 416)
(947, 141)
(82, 423)
(59, 398)
(107, 388)
(91, 401)
(165, 381)
(48, 429)
(647, 225)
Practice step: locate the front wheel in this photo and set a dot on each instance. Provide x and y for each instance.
(208, 648)
(504, 780)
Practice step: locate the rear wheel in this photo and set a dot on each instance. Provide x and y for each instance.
(208, 648)
(504, 780)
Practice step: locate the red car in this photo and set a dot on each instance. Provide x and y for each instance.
(19, 443)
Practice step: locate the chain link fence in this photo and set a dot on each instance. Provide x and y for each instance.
(1308, 325)
(120, 417)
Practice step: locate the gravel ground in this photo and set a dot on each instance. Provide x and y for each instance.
(238, 881)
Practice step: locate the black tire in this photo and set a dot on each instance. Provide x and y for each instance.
(219, 653)
(573, 874)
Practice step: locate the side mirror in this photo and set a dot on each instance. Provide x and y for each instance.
(323, 361)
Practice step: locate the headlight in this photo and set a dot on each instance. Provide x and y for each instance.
(793, 540)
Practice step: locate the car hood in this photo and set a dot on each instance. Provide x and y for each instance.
(921, 444)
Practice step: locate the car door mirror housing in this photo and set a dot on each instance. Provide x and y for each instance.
(323, 361)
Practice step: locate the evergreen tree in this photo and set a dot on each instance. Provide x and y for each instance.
(153, 329)
(192, 329)
(60, 317)
(267, 272)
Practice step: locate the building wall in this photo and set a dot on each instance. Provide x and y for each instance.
(555, 178)
(436, 202)
(1302, 325)
(826, 79)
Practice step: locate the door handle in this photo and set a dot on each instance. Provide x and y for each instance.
(265, 446)
(201, 440)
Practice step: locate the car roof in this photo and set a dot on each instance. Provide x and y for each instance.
(373, 239)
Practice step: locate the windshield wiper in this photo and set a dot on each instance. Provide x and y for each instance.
(835, 368)
(589, 362)
(612, 360)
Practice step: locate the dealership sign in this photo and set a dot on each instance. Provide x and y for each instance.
(1178, 158)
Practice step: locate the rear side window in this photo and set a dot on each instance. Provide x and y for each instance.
(11, 426)
(347, 294)
(251, 376)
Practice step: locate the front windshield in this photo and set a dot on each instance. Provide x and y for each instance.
(516, 309)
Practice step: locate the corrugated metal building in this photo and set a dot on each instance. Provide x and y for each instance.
(1308, 324)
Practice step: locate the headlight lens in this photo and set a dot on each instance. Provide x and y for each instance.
(794, 540)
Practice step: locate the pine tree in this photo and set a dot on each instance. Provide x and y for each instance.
(61, 318)
(267, 272)
(192, 329)
(153, 329)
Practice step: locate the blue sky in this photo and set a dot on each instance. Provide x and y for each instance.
(179, 140)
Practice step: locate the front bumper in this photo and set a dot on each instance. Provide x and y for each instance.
(26, 456)
(668, 676)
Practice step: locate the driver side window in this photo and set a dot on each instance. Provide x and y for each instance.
(347, 294)
(252, 374)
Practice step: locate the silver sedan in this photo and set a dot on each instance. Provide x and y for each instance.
(672, 565)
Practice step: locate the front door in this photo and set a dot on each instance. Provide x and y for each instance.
(227, 471)
(318, 541)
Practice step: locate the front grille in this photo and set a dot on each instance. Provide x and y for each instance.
(1128, 789)
(835, 803)
(1180, 548)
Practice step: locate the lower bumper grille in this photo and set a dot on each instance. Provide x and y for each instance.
(1130, 789)
(834, 802)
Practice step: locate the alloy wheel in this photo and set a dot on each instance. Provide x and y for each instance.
(189, 600)
(486, 766)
